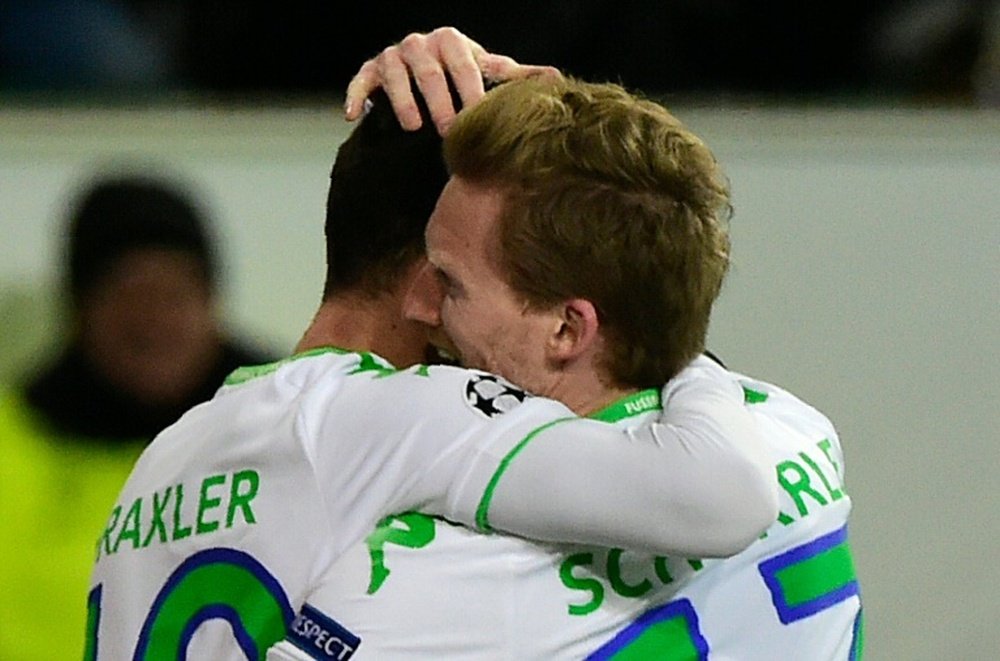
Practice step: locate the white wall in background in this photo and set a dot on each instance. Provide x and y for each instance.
(866, 280)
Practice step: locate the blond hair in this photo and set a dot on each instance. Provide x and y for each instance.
(608, 197)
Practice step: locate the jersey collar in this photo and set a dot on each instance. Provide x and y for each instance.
(629, 406)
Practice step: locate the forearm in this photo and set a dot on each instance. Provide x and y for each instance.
(699, 483)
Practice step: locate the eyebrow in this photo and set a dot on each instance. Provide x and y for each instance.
(446, 277)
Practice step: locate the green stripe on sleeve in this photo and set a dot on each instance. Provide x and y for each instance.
(482, 512)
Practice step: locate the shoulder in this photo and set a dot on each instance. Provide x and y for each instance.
(703, 373)
(774, 401)
(465, 393)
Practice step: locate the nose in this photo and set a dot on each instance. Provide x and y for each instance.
(423, 298)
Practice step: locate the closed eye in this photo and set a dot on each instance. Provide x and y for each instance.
(447, 282)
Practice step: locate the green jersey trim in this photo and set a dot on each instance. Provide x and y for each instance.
(630, 405)
(482, 512)
(369, 362)
(751, 396)
(626, 407)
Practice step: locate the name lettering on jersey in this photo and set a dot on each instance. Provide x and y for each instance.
(627, 574)
(222, 501)
(811, 480)
(321, 637)
(808, 483)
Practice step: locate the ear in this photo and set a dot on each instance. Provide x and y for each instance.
(576, 331)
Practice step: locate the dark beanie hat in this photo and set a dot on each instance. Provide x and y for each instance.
(117, 215)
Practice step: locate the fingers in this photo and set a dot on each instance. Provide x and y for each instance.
(499, 68)
(364, 82)
(423, 58)
(460, 57)
(394, 75)
(428, 58)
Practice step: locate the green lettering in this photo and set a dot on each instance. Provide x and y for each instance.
(242, 500)
(205, 503)
(130, 527)
(835, 493)
(179, 531)
(798, 487)
(157, 524)
(618, 583)
(591, 585)
(105, 539)
(662, 572)
(696, 564)
(414, 531)
(825, 445)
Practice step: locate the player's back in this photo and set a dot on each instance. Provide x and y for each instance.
(422, 588)
(209, 513)
(232, 513)
(793, 594)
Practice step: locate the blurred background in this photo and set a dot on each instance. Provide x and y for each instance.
(863, 144)
(927, 51)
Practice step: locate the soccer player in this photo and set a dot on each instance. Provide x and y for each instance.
(235, 514)
(520, 224)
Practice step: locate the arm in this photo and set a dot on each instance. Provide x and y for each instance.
(695, 483)
(699, 483)
(427, 58)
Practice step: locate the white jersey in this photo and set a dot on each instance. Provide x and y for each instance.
(421, 588)
(234, 514)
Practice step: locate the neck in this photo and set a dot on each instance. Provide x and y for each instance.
(586, 391)
(361, 323)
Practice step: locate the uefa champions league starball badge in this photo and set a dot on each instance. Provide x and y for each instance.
(491, 395)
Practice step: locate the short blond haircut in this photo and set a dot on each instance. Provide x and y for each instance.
(608, 197)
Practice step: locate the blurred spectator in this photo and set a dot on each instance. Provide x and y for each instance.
(144, 344)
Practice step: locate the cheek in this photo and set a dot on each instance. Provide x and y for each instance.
(470, 331)
(192, 318)
(453, 322)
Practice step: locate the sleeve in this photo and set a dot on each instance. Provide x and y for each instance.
(697, 483)
(426, 439)
(472, 448)
(285, 651)
(314, 636)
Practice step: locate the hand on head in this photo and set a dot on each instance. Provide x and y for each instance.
(427, 58)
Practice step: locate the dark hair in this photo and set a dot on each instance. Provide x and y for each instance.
(117, 214)
(383, 188)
